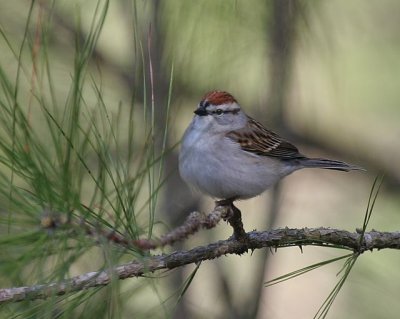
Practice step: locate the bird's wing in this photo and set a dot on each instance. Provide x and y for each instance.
(255, 138)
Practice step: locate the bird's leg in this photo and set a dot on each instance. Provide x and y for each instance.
(236, 222)
(234, 218)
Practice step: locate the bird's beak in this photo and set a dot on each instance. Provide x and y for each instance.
(201, 111)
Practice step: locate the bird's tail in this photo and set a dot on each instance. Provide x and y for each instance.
(328, 164)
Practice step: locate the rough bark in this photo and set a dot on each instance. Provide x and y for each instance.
(273, 238)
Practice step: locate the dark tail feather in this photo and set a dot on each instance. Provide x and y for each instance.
(329, 164)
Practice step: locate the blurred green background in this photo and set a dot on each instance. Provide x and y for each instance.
(324, 74)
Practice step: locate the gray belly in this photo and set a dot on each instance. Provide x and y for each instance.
(241, 175)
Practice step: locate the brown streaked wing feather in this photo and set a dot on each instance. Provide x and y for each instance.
(255, 138)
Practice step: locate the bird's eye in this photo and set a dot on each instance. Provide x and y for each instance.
(219, 112)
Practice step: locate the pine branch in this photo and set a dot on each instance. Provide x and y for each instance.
(192, 224)
(274, 238)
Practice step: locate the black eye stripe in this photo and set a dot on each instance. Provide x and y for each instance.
(219, 111)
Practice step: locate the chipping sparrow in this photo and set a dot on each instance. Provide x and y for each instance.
(229, 155)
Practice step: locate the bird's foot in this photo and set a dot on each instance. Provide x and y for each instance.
(234, 217)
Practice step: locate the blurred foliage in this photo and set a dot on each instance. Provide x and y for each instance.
(80, 136)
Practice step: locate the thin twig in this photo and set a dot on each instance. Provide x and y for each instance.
(273, 238)
(192, 224)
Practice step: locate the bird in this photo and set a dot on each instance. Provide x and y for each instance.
(230, 156)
